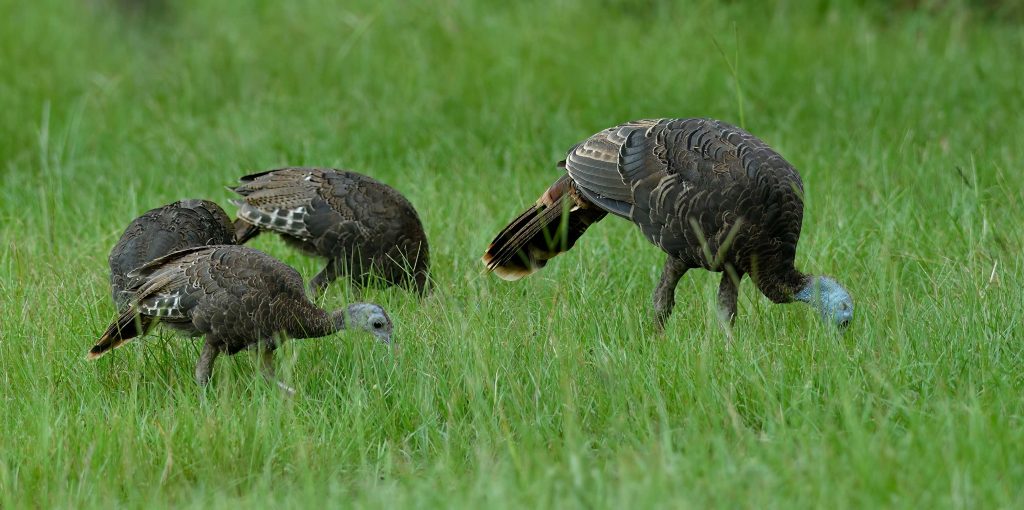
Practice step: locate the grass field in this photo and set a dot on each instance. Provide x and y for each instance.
(554, 391)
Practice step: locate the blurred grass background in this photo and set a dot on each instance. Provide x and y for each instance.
(904, 119)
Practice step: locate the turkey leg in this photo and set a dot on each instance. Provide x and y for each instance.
(665, 292)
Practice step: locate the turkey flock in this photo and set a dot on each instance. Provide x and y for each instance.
(708, 194)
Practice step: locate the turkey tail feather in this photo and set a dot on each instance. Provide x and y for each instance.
(546, 229)
(127, 326)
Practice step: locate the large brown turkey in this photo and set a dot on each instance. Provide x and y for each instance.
(360, 225)
(238, 298)
(158, 232)
(709, 194)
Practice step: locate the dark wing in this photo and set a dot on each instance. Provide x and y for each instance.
(204, 284)
(281, 200)
(158, 290)
(606, 165)
(170, 286)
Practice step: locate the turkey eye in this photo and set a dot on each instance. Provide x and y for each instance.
(378, 325)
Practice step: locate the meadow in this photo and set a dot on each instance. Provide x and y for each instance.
(554, 391)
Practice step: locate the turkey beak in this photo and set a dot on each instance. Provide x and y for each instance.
(385, 337)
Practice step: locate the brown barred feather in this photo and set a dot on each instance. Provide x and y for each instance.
(235, 296)
(709, 194)
(166, 229)
(362, 227)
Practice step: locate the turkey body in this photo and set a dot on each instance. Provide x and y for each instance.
(360, 225)
(709, 194)
(237, 297)
(160, 231)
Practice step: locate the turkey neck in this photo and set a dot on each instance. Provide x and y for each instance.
(310, 321)
(780, 284)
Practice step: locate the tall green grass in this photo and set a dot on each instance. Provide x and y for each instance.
(553, 391)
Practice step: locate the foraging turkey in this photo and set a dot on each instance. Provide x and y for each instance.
(359, 224)
(158, 232)
(238, 298)
(709, 194)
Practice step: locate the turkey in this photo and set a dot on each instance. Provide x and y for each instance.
(238, 298)
(709, 194)
(360, 225)
(160, 231)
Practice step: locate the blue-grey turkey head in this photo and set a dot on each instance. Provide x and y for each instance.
(163, 230)
(362, 227)
(238, 298)
(709, 194)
